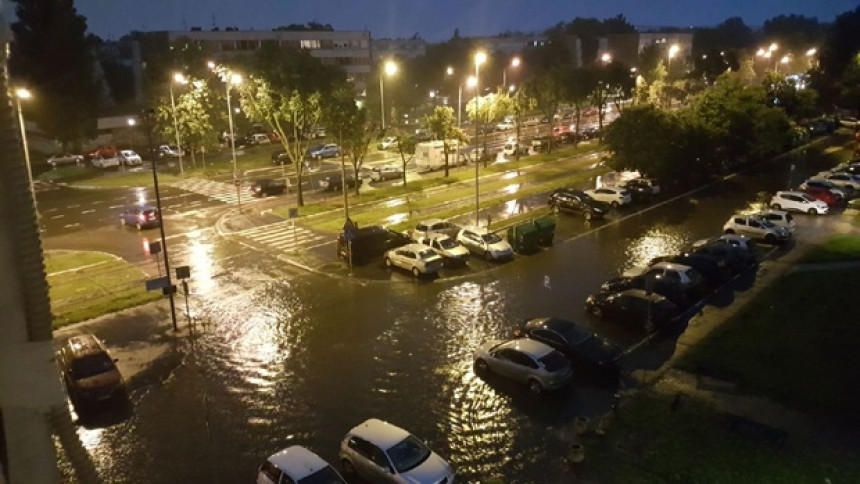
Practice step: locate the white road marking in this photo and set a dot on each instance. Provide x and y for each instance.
(88, 211)
(57, 216)
(116, 206)
(68, 226)
(73, 206)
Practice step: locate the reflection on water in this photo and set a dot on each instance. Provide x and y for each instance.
(397, 218)
(395, 202)
(657, 241)
(201, 263)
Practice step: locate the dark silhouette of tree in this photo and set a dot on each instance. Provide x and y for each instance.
(837, 78)
(795, 32)
(731, 34)
(51, 56)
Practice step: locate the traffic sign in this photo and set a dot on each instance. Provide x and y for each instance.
(158, 283)
(294, 212)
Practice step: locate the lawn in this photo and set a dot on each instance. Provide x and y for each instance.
(648, 442)
(83, 285)
(797, 343)
(836, 249)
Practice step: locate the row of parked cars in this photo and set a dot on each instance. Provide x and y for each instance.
(820, 193)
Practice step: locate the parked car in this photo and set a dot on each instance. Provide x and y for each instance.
(389, 142)
(297, 465)
(611, 195)
(757, 228)
(415, 258)
(506, 125)
(434, 226)
(267, 186)
(483, 242)
(380, 452)
(140, 217)
(129, 157)
(583, 348)
(541, 143)
(329, 150)
(334, 181)
(634, 306)
(712, 268)
(839, 192)
(689, 278)
(103, 152)
(280, 157)
(671, 289)
(798, 201)
(646, 183)
(368, 243)
(842, 180)
(447, 247)
(525, 360)
(565, 199)
(102, 162)
(511, 148)
(65, 159)
(736, 260)
(825, 195)
(169, 151)
(386, 172)
(258, 139)
(89, 372)
(780, 218)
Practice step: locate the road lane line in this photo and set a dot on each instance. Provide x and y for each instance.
(116, 206)
(88, 211)
(57, 216)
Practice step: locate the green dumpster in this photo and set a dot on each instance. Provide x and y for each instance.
(524, 238)
(546, 229)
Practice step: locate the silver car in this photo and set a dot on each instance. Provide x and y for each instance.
(485, 243)
(527, 361)
(415, 258)
(450, 250)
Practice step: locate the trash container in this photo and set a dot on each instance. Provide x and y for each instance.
(546, 229)
(524, 238)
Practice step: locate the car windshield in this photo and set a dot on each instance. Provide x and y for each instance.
(408, 454)
(553, 361)
(807, 197)
(426, 254)
(447, 243)
(326, 475)
(91, 365)
(571, 332)
(491, 238)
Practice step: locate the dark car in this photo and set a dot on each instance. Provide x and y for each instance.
(638, 192)
(582, 347)
(334, 181)
(577, 201)
(140, 217)
(712, 268)
(635, 307)
(267, 186)
(329, 150)
(368, 243)
(736, 259)
(280, 157)
(89, 372)
(669, 288)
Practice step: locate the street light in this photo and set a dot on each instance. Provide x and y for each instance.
(515, 62)
(480, 58)
(20, 94)
(390, 68)
(178, 79)
(230, 79)
(606, 58)
(785, 60)
(673, 51)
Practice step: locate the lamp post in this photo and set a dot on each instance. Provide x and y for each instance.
(785, 60)
(450, 72)
(480, 58)
(178, 79)
(673, 51)
(389, 69)
(230, 79)
(170, 288)
(515, 62)
(20, 94)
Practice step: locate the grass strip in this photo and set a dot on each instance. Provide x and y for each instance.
(838, 248)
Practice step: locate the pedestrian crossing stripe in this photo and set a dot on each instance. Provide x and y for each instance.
(284, 236)
(223, 192)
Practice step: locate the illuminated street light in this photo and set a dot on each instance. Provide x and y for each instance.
(811, 52)
(673, 51)
(178, 79)
(515, 62)
(606, 58)
(230, 79)
(389, 69)
(774, 46)
(480, 58)
(20, 94)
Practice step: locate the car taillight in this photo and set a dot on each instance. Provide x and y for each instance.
(517, 333)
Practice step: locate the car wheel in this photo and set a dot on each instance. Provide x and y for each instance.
(811, 211)
(556, 209)
(587, 215)
(388, 263)
(122, 222)
(615, 204)
(730, 231)
(415, 272)
(769, 239)
(481, 367)
(535, 387)
(138, 226)
(347, 467)
(776, 206)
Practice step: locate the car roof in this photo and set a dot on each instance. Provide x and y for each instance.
(430, 221)
(84, 344)
(790, 192)
(438, 235)
(297, 461)
(531, 347)
(671, 266)
(642, 294)
(414, 246)
(476, 229)
(379, 433)
(559, 325)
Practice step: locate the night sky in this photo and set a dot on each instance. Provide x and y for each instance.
(434, 20)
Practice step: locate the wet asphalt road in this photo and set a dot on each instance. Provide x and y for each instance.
(293, 358)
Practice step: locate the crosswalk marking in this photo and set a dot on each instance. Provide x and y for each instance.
(284, 236)
(223, 192)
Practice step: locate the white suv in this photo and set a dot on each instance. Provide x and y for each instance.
(296, 464)
(798, 201)
(378, 451)
(757, 228)
(416, 258)
(485, 243)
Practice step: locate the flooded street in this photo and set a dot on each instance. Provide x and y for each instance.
(284, 357)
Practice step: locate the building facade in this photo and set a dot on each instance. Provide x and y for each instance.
(396, 48)
(626, 48)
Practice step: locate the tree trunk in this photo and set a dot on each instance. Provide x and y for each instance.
(445, 147)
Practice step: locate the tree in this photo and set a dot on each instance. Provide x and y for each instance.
(193, 118)
(406, 150)
(287, 112)
(839, 64)
(548, 90)
(353, 128)
(51, 56)
(443, 124)
(795, 32)
(578, 91)
(731, 34)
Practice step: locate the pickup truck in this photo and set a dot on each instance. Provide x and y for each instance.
(267, 186)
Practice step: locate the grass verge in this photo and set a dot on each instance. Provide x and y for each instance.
(838, 248)
(83, 285)
(797, 343)
(649, 442)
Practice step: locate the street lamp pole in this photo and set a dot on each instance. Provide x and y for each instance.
(515, 62)
(22, 93)
(390, 68)
(480, 57)
(170, 289)
(178, 78)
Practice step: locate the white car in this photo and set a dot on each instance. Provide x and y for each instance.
(506, 125)
(511, 148)
(65, 159)
(611, 195)
(844, 180)
(799, 202)
(297, 465)
(386, 172)
(527, 361)
(448, 248)
(685, 275)
(415, 258)
(485, 243)
(129, 157)
(102, 162)
(433, 226)
(757, 228)
(380, 452)
(388, 142)
(780, 218)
